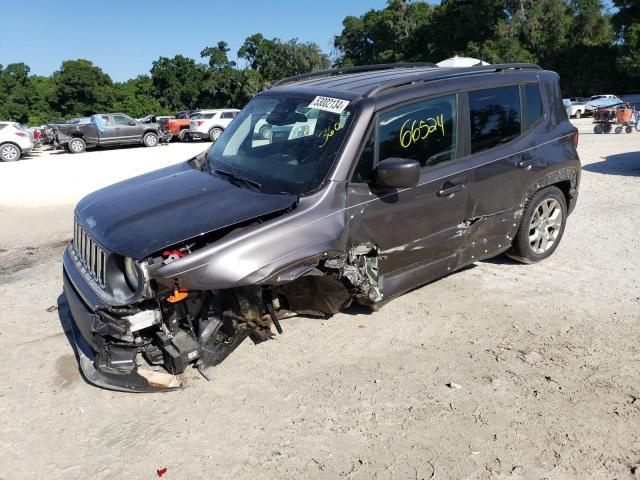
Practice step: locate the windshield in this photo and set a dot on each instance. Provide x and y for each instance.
(281, 143)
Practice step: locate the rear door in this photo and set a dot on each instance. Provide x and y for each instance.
(415, 230)
(500, 158)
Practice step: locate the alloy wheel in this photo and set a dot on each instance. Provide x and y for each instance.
(545, 225)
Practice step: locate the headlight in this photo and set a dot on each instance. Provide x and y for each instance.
(132, 273)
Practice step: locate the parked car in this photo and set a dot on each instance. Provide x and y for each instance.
(404, 177)
(211, 123)
(15, 142)
(575, 108)
(107, 129)
(178, 125)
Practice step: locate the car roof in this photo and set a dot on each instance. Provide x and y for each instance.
(370, 80)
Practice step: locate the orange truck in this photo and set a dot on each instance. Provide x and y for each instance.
(178, 126)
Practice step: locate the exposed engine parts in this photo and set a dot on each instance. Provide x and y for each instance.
(179, 328)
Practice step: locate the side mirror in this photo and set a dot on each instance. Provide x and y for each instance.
(398, 173)
(133, 123)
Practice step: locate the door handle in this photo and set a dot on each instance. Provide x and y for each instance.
(526, 161)
(449, 188)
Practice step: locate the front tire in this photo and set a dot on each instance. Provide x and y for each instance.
(597, 129)
(541, 226)
(578, 114)
(150, 140)
(77, 145)
(9, 152)
(215, 133)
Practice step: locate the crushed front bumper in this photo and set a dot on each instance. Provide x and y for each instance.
(83, 304)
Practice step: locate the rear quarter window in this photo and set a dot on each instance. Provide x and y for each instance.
(534, 103)
(495, 117)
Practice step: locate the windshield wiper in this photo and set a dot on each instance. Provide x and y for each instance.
(238, 178)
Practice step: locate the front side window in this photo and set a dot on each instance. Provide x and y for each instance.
(423, 131)
(300, 150)
(495, 117)
(121, 119)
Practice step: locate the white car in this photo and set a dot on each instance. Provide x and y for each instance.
(210, 124)
(14, 141)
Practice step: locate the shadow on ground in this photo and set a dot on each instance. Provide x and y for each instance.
(625, 164)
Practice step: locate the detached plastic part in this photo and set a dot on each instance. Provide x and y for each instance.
(138, 381)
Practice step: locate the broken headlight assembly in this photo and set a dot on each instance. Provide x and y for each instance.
(129, 279)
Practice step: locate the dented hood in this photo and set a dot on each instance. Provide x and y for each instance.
(145, 214)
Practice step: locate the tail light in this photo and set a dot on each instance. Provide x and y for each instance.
(20, 134)
(37, 134)
(199, 122)
(574, 139)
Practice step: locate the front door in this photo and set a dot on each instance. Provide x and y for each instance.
(416, 230)
(127, 129)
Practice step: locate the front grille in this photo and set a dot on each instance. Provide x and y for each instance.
(90, 254)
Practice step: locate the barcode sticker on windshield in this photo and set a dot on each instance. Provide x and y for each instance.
(334, 105)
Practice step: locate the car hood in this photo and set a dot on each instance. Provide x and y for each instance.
(145, 214)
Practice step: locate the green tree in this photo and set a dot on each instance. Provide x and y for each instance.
(136, 97)
(177, 82)
(14, 92)
(81, 88)
(274, 59)
(627, 24)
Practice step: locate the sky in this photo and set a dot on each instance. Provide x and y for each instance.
(125, 37)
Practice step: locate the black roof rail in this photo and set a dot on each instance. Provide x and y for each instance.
(452, 72)
(342, 71)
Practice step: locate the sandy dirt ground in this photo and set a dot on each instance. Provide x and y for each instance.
(498, 371)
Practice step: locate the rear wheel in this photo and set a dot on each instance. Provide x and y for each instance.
(77, 145)
(9, 152)
(184, 136)
(628, 129)
(541, 227)
(618, 129)
(607, 128)
(215, 133)
(597, 128)
(578, 114)
(150, 139)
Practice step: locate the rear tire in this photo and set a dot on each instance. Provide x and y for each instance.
(150, 140)
(597, 129)
(184, 136)
(578, 114)
(628, 129)
(215, 133)
(77, 145)
(607, 128)
(541, 226)
(618, 130)
(10, 152)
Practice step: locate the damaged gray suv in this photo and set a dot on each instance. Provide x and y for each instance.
(376, 180)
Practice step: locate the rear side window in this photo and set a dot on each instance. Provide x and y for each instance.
(423, 131)
(204, 116)
(228, 115)
(534, 103)
(495, 117)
